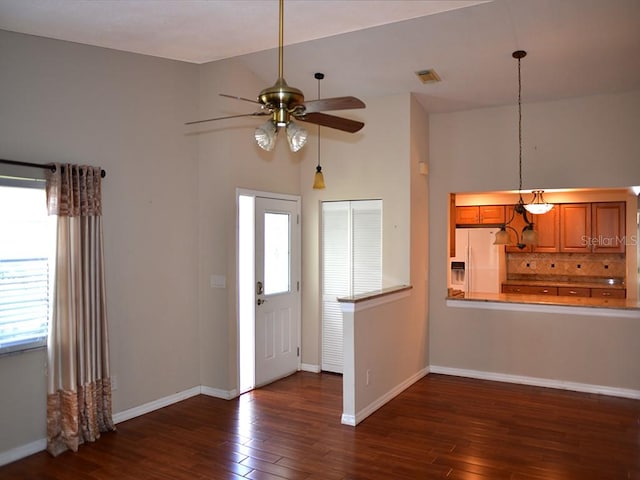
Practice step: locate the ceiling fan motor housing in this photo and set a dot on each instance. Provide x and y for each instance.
(282, 100)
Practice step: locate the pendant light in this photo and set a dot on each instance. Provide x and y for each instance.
(529, 235)
(318, 178)
(538, 205)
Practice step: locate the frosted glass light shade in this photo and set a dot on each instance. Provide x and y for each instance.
(502, 237)
(538, 205)
(266, 135)
(530, 236)
(296, 135)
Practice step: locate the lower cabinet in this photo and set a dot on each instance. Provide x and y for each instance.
(566, 291)
(574, 291)
(529, 290)
(609, 293)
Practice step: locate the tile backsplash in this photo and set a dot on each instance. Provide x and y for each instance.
(567, 266)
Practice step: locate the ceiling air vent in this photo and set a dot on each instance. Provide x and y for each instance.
(428, 76)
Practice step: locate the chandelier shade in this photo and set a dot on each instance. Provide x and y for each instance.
(538, 205)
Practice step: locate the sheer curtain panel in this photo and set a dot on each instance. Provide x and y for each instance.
(79, 386)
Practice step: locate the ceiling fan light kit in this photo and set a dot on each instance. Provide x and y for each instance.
(282, 102)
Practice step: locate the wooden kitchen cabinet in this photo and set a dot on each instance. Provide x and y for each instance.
(574, 291)
(608, 227)
(548, 227)
(575, 227)
(480, 215)
(530, 289)
(609, 292)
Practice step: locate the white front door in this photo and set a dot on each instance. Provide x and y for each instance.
(277, 302)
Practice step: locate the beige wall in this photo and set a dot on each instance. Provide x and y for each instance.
(64, 102)
(228, 159)
(370, 164)
(582, 142)
(170, 205)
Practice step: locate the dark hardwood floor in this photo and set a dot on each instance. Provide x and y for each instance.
(441, 427)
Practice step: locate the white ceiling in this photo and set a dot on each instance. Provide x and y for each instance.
(372, 47)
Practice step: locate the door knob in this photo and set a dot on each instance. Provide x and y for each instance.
(261, 301)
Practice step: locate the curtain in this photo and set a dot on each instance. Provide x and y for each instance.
(79, 386)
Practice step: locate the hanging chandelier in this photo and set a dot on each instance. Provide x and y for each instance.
(537, 205)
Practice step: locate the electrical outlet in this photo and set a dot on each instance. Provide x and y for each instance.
(114, 383)
(368, 376)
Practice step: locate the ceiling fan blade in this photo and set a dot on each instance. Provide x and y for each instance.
(239, 98)
(331, 121)
(254, 114)
(335, 103)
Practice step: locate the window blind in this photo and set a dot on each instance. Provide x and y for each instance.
(24, 303)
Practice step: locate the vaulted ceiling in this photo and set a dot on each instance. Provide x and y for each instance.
(372, 47)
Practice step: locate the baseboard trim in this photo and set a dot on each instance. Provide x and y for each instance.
(218, 393)
(309, 367)
(155, 405)
(353, 420)
(22, 451)
(538, 382)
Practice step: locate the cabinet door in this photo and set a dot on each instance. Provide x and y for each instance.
(518, 224)
(575, 227)
(491, 214)
(467, 215)
(548, 227)
(608, 227)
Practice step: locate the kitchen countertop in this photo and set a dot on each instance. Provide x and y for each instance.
(593, 302)
(555, 283)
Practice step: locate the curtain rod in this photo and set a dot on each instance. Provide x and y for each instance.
(49, 166)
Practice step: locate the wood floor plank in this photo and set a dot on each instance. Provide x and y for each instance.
(441, 427)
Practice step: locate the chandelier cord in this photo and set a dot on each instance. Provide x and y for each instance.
(520, 129)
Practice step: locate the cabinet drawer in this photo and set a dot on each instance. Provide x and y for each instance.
(574, 291)
(609, 292)
(530, 290)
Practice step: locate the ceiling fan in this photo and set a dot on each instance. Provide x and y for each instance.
(284, 103)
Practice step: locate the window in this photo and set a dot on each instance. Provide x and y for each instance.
(26, 248)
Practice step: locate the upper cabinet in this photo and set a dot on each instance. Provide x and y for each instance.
(608, 227)
(592, 227)
(480, 215)
(575, 227)
(548, 227)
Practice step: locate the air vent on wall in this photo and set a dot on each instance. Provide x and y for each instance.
(428, 76)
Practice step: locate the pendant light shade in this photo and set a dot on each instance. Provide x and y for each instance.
(502, 236)
(265, 135)
(318, 179)
(538, 205)
(529, 236)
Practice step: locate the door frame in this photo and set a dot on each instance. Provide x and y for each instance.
(296, 275)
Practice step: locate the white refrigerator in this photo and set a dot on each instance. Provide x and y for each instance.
(478, 265)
